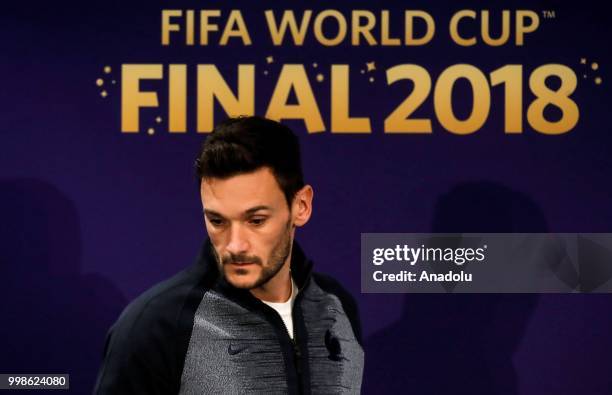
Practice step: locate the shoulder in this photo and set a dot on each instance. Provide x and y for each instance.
(145, 347)
(161, 302)
(160, 306)
(330, 285)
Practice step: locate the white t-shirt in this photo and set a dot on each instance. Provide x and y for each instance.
(284, 309)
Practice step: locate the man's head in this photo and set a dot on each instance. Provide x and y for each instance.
(254, 196)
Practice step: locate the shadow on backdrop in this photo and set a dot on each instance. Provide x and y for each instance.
(54, 318)
(459, 343)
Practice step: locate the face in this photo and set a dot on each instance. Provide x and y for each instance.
(250, 226)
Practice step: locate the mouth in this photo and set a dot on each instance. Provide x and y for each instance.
(242, 264)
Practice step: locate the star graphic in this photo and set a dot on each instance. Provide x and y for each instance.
(582, 60)
(371, 66)
(158, 119)
(103, 94)
(270, 59)
(320, 77)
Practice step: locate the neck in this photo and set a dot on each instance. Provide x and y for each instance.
(278, 288)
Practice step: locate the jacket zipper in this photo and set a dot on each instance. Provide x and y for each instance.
(297, 354)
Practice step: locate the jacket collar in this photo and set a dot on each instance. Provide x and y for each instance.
(301, 270)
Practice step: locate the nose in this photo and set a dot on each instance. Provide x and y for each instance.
(238, 242)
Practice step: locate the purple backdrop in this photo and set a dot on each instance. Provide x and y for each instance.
(92, 217)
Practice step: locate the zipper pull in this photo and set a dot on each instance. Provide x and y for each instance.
(297, 355)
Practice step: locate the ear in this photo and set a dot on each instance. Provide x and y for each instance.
(301, 207)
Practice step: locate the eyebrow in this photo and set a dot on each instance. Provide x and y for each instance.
(252, 210)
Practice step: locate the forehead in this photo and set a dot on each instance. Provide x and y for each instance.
(236, 194)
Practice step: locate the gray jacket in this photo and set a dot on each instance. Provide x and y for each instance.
(196, 334)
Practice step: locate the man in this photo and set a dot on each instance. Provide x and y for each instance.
(249, 316)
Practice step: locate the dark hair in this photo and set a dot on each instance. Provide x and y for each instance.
(244, 144)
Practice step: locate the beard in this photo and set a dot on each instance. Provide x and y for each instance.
(279, 254)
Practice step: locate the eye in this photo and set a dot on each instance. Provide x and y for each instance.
(257, 221)
(216, 222)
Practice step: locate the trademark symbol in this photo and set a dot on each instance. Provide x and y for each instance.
(548, 14)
